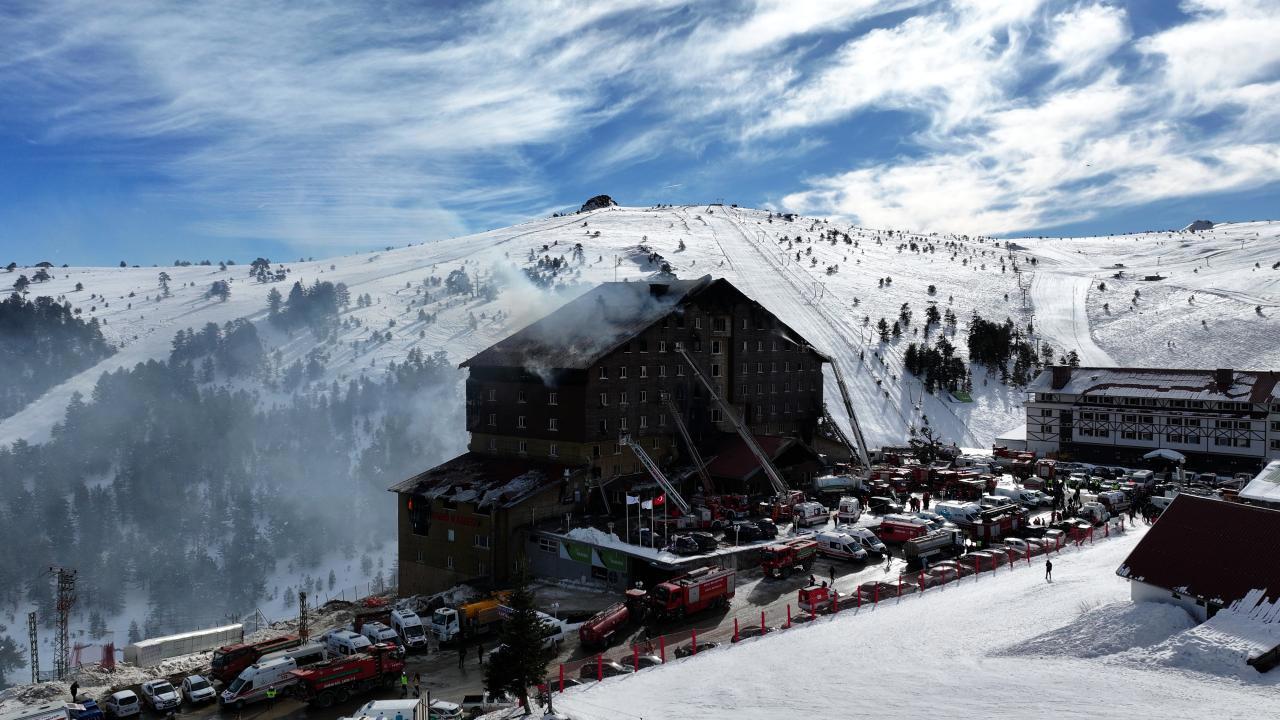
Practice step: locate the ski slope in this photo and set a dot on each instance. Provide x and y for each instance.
(836, 310)
(1004, 645)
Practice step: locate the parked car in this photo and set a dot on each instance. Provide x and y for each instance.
(197, 690)
(687, 650)
(684, 545)
(609, 668)
(444, 710)
(123, 704)
(743, 531)
(934, 520)
(482, 703)
(1018, 544)
(950, 569)
(706, 541)
(161, 695)
(643, 661)
(768, 528)
(881, 505)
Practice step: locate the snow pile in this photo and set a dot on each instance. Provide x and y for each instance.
(1107, 630)
(941, 653)
(1223, 644)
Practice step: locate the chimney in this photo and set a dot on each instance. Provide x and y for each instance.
(658, 289)
(1061, 376)
(1223, 378)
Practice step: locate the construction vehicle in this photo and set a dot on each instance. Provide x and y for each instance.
(228, 661)
(779, 559)
(939, 543)
(692, 592)
(339, 679)
(475, 617)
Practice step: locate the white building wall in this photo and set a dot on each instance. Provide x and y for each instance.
(1142, 592)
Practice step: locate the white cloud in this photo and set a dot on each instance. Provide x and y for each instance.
(1083, 37)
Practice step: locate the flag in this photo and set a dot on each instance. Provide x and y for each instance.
(633, 499)
(646, 505)
(660, 500)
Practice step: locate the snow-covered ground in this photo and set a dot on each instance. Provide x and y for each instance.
(1009, 645)
(1227, 268)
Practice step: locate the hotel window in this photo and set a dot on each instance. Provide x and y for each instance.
(595, 451)
(719, 324)
(644, 421)
(697, 323)
(493, 395)
(520, 422)
(622, 372)
(715, 370)
(644, 345)
(759, 346)
(715, 347)
(604, 425)
(450, 535)
(553, 450)
(622, 423)
(493, 444)
(520, 397)
(622, 398)
(604, 373)
(481, 541)
(759, 368)
(644, 396)
(662, 419)
(553, 424)
(604, 399)
(744, 323)
(448, 561)
(662, 346)
(644, 371)
(662, 371)
(524, 446)
(744, 346)
(553, 399)
(679, 371)
(493, 419)
(717, 415)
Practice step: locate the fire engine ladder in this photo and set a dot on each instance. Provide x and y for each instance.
(863, 455)
(775, 478)
(844, 439)
(707, 485)
(656, 472)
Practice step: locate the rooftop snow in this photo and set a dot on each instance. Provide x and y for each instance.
(1266, 486)
(1247, 385)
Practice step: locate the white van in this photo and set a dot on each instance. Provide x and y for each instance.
(345, 642)
(254, 682)
(849, 510)
(1021, 495)
(867, 539)
(303, 655)
(840, 545)
(958, 512)
(810, 513)
(409, 626)
(378, 633)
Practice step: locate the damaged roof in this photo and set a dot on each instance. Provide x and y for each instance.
(592, 325)
(1248, 386)
(484, 480)
(1211, 549)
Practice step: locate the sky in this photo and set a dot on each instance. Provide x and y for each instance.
(150, 132)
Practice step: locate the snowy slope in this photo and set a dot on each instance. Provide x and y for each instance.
(1007, 645)
(745, 247)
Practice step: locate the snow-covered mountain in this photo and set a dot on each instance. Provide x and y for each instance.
(1217, 305)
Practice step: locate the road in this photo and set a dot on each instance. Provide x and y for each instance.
(1060, 300)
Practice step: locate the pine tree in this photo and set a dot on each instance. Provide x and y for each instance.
(11, 655)
(883, 328)
(333, 580)
(135, 634)
(521, 660)
(274, 301)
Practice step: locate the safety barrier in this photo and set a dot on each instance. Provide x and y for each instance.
(658, 650)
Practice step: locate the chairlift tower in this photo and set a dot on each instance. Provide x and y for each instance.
(66, 599)
(34, 647)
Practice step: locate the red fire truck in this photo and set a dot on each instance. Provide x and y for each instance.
(229, 660)
(337, 680)
(603, 627)
(692, 592)
(779, 559)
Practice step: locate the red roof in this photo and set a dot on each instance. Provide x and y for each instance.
(734, 460)
(1210, 549)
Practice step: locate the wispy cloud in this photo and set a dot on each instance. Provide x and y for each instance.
(355, 123)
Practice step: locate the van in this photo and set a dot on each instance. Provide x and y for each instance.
(865, 538)
(409, 627)
(1145, 478)
(849, 510)
(254, 682)
(810, 513)
(899, 529)
(123, 704)
(958, 512)
(840, 545)
(303, 655)
(378, 633)
(345, 642)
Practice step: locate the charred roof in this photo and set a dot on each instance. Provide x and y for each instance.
(483, 480)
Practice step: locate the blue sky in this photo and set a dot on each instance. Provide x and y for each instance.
(151, 132)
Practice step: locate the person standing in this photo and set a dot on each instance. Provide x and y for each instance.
(404, 685)
(926, 500)
(462, 657)
(833, 575)
(1048, 570)
(75, 690)
(480, 654)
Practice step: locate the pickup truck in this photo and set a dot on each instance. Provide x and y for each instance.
(161, 695)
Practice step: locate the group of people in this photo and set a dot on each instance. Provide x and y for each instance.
(919, 503)
(404, 684)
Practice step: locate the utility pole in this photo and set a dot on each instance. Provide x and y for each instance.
(66, 599)
(33, 644)
(302, 616)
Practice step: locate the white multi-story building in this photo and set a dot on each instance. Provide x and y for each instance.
(1219, 419)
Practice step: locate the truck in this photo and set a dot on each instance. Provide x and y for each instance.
(958, 512)
(693, 592)
(339, 679)
(412, 632)
(229, 660)
(474, 617)
(814, 599)
(601, 629)
(939, 543)
(779, 559)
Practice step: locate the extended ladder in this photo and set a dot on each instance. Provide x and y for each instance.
(707, 485)
(656, 472)
(775, 478)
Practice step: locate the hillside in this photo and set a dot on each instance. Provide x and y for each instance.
(331, 413)
(1228, 268)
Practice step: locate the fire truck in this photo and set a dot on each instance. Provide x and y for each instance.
(779, 559)
(229, 660)
(692, 592)
(337, 680)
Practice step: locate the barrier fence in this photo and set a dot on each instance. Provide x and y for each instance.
(658, 650)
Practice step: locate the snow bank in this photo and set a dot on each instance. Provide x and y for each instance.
(1107, 630)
